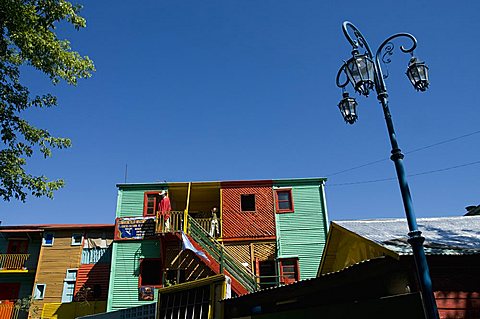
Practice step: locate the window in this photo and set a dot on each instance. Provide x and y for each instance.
(39, 292)
(289, 271)
(150, 272)
(150, 203)
(247, 202)
(77, 239)
(284, 200)
(48, 239)
(69, 285)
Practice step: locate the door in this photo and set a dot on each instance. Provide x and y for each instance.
(265, 270)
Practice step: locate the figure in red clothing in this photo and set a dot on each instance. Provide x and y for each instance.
(164, 209)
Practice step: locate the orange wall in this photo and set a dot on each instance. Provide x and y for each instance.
(238, 224)
(90, 275)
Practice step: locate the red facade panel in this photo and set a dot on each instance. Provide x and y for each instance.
(253, 224)
(458, 304)
(92, 282)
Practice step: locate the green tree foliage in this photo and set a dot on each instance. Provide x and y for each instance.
(27, 37)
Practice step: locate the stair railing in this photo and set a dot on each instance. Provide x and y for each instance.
(222, 257)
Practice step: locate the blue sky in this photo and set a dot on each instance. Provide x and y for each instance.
(233, 90)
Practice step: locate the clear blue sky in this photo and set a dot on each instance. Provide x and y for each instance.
(232, 90)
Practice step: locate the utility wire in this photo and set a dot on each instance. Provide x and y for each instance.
(410, 175)
(407, 152)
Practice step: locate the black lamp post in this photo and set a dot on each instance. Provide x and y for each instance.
(363, 71)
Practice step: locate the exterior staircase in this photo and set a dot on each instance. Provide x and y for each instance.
(243, 281)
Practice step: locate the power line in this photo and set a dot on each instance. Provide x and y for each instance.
(407, 152)
(410, 175)
(442, 142)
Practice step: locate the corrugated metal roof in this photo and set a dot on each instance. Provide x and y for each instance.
(443, 235)
(358, 267)
(164, 183)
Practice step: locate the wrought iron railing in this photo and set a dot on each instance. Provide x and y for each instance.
(222, 257)
(13, 261)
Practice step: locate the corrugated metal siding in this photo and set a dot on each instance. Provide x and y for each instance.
(96, 255)
(57, 310)
(123, 292)
(303, 232)
(131, 203)
(238, 224)
(241, 252)
(88, 276)
(264, 251)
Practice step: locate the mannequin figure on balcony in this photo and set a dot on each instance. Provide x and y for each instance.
(214, 223)
(164, 209)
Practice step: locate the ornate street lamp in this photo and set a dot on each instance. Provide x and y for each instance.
(348, 107)
(359, 70)
(417, 73)
(364, 72)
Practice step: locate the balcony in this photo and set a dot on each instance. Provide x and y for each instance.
(14, 263)
(176, 222)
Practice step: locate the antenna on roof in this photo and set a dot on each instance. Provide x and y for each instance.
(126, 172)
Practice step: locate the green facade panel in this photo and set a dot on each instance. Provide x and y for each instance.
(126, 255)
(130, 202)
(303, 232)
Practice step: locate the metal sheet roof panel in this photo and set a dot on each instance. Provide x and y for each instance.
(443, 235)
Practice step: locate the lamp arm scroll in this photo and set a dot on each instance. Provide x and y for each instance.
(388, 46)
(340, 72)
(358, 40)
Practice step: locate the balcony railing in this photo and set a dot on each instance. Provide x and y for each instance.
(13, 261)
(175, 222)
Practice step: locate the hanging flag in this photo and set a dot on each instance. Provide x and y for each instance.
(186, 244)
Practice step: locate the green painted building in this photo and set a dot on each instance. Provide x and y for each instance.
(127, 255)
(271, 231)
(301, 229)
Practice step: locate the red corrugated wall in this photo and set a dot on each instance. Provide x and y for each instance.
(458, 304)
(90, 275)
(238, 224)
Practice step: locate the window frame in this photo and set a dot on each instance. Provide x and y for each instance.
(297, 270)
(254, 203)
(42, 296)
(278, 210)
(44, 239)
(69, 281)
(145, 203)
(81, 239)
(140, 279)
